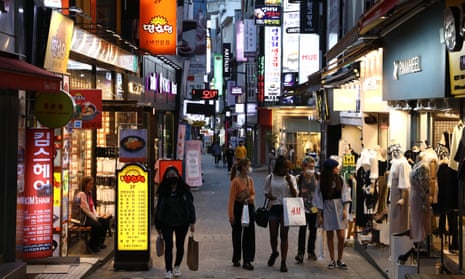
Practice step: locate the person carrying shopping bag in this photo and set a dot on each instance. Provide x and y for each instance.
(241, 194)
(279, 185)
(306, 183)
(175, 213)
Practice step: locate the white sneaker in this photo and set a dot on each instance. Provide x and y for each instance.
(177, 271)
(168, 275)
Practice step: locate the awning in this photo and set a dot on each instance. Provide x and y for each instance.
(20, 75)
(376, 14)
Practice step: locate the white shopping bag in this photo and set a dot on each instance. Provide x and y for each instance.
(319, 248)
(294, 212)
(245, 215)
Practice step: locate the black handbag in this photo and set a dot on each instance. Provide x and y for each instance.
(261, 214)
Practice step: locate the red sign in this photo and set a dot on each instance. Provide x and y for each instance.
(88, 108)
(38, 196)
(204, 94)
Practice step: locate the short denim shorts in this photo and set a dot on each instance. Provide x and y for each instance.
(275, 212)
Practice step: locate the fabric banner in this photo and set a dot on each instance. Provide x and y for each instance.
(181, 140)
(193, 163)
(294, 212)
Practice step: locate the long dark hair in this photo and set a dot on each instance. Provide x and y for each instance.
(165, 189)
(280, 163)
(327, 179)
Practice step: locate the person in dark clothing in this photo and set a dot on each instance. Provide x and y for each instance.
(306, 183)
(175, 213)
(230, 156)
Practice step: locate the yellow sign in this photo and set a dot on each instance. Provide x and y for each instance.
(58, 44)
(133, 209)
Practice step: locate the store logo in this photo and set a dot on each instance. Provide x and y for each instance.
(158, 24)
(407, 66)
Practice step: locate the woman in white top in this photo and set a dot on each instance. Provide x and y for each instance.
(278, 185)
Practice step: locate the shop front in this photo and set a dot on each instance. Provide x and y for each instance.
(421, 119)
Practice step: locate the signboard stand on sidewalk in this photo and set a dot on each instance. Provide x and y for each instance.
(132, 241)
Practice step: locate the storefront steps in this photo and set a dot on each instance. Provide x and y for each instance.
(16, 270)
(68, 267)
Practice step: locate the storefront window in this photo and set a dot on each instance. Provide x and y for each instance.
(81, 75)
(104, 81)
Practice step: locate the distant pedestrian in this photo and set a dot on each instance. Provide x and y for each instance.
(291, 156)
(271, 159)
(278, 185)
(230, 157)
(306, 184)
(242, 191)
(240, 152)
(216, 149)
(332, 198)
(175, 213)
(224, 148)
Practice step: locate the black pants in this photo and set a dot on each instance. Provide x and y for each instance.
(243, 238)
(180, 234)
(97, 235)
(311, 224)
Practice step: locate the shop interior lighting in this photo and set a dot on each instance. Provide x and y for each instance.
(407, 107)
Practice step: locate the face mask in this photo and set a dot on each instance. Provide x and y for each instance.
(249, 170)
(310, 172)
(172, 180)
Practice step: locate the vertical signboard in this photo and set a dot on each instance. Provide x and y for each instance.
(181, 139)
(309, 55)
(309, 16)
(38, 196)
(132, 240)
(227, 60)
(193, 163)
(157, 30)
(272, 63)
(59, 43)
(240, 37)
(250, 37)
(218, 73)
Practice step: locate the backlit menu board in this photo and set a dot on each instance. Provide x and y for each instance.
(132, 209)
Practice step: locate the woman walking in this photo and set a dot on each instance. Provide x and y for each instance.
(332, 198)
(242, 192)
(175, 213)
(278, 185)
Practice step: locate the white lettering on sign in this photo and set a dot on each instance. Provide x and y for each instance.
(407, 66)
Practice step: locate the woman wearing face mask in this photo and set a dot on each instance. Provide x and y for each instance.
(278, 185)
(306, 183)
(175, 213)
(242, 192)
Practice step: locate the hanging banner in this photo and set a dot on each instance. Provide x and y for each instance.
(59, 43)
(181, 140)
(157, 29)
(88, 108)
(38, 196)
(133, 145)
(193, 163)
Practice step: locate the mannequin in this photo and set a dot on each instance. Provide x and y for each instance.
(399, 185)
(420, 200)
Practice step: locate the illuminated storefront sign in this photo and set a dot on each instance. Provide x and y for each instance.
(309, 61)
(272, 63)
(218, 72)
(132, 209)
(59, 42)
(37, 198)
(158, 27)
(204, 94)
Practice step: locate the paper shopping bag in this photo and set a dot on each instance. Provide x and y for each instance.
(294, 212)
(192, 253)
